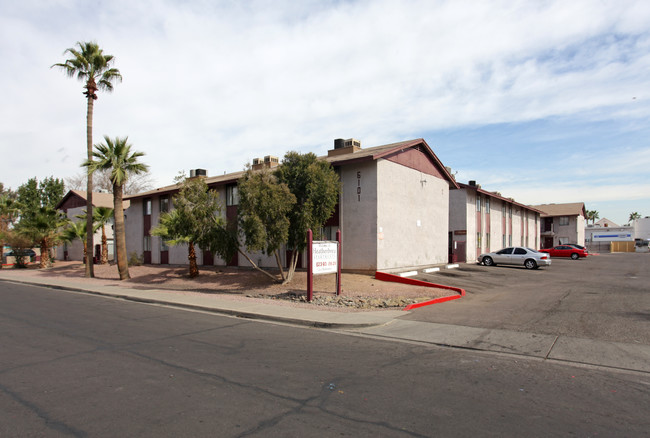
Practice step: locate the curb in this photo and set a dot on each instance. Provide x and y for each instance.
(383, 276)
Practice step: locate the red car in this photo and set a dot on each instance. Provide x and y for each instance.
(566, 251)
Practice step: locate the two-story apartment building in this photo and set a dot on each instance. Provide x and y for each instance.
(562, 223)
(393, 210)
(481, 221)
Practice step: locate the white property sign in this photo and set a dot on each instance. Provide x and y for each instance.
(324, 259)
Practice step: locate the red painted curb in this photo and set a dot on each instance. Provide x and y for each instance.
(383, 276)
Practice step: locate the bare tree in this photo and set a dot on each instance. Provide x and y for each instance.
(102, 181)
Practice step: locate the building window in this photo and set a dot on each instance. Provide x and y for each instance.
(503, 241)
(146, 207)
(164, 204)
(478, 240)
(163, 245)
(564, 220)
(510, 211)
(478, 203)
(509, 239)
(147, 243)
(232, 195)
(487, 239)
(487, 205)
(503, 210)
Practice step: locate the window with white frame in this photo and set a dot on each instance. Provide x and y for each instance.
(564, 220)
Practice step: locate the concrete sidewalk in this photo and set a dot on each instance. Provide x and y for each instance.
(213, 303)
(383, 324)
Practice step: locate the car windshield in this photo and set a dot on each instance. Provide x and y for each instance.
(531, 250)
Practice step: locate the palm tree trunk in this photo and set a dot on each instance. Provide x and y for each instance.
(120, 237)
(90, 271)
(191, 255)
(104, 246)
(45, 254)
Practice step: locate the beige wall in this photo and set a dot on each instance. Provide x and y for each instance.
(358, 216)
(412, 217)
(574, 232)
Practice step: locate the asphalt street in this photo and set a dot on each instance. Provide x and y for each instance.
(80, 365)
(604, 297)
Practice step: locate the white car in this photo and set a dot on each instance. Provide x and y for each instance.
(516, 255)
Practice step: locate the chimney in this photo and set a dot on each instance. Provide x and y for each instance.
(268, 162)
(342, 147)
(198, 172)
(472, 183)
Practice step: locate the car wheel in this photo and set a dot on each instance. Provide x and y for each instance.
(487, 261)
(575, 256)
(530, 264)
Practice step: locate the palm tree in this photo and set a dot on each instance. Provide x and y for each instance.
(89, 64)
(634, 216)
(76, 230)
(592, 215)
(75, 233)
(103, 216)
(44, 229)
(115, 155)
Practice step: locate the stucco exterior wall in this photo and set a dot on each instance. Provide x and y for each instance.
(133, 228)
(574, 232)
(358, 216)
(458, 212)
(412, 217)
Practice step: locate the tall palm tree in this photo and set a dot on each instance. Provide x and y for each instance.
(115, 155)
(89, 64)
(634, 216)
(103, 216)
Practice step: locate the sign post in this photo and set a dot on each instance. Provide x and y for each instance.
(324, 257)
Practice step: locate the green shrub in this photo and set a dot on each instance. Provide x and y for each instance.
(135, 259)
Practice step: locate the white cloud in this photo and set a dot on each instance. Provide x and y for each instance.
(215, 84)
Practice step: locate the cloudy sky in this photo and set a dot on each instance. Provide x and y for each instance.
(543, 101)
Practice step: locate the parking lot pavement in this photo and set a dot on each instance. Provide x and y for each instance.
(605, 297)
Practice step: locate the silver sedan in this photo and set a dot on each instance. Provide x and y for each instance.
(516, 255)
